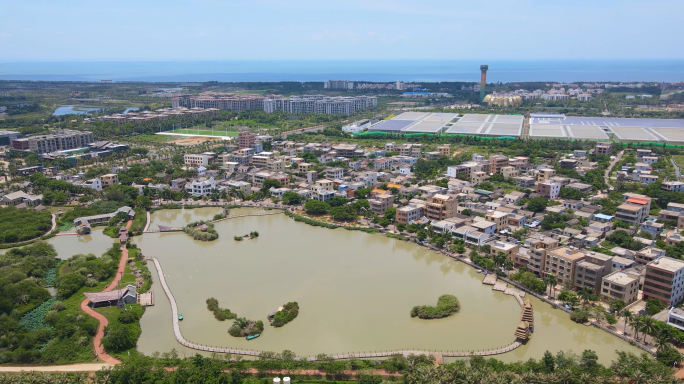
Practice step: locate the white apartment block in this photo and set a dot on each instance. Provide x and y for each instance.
(201, 187)
(196, 159)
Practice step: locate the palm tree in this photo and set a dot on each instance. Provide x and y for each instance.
(627, 315)
(648, 327)
(551, 281)
(585, 294)
(637, 323)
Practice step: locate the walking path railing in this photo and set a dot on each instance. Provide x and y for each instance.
(179, 337)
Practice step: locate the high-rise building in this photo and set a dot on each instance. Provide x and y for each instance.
(246, 139)
(338, 84)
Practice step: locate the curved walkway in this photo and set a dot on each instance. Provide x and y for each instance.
(179, 337)
(97, 340)
(248, 214)
(147, 224)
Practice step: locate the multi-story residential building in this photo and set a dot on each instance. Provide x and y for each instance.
(334, 173)
(664, 280)
(604, 148)
(224, 101)
(413, 150)
(196, 159)
(631, 213)
(479, 177)
(59, 140)
(673, 186)
(525, 182)
(509, 172)
(440, 207)
(201, 187)
(258, 178)
(346, 150)
(620, 286)
(242, 186)
(109, 179)
(444, 150)
(676, 318)
(635, 198)
(496, 162)
(499, 218)
(539, 246)
(549, 189)
(545, 174)
(590, 271)
(409, 213)
(562, 263)
(507, 248)
(648, 254)
(381, 203)
(326, 184)
(319, 104)
(368, 178)
(246, 139)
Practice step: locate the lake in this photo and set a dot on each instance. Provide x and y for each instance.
(355, 292)
(72, 110)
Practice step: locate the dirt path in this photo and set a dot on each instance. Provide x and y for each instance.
(97, 340)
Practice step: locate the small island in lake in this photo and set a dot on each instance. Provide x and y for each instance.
(219, 313)
(201, 230)
(251, 235)
(447, 305)
(286, 314)
(242, 327)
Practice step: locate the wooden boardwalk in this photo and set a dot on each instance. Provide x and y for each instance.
(439, 355)
(275, 212)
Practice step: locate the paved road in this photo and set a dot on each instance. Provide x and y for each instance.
(606, 175)
(677, 170)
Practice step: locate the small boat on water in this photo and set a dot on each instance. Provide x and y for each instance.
(180, 316)
(479, 271)
(252, 337)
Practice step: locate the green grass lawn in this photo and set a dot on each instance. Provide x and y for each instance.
(151, 138)
(679, 159)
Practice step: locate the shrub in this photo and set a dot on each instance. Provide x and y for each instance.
(579, 316)
(447, 305)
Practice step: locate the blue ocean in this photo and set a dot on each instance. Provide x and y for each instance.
(357, 70)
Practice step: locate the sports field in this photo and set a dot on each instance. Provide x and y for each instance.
(204, 131)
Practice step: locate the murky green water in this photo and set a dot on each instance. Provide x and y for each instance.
(355, 292)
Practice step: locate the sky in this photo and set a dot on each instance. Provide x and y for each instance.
(207, 30)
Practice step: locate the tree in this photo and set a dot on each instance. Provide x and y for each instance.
(317, 207)
(270, 183)
(143, 202)
(585, 294)
(119, 338)
(551, 282)
(668, 355)
(627, 315)
(653, 306)
(337, 201)
(291, 198)
(390, 213)
(343, 212)
(537, 204)
(362, 192)
(648, 327)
